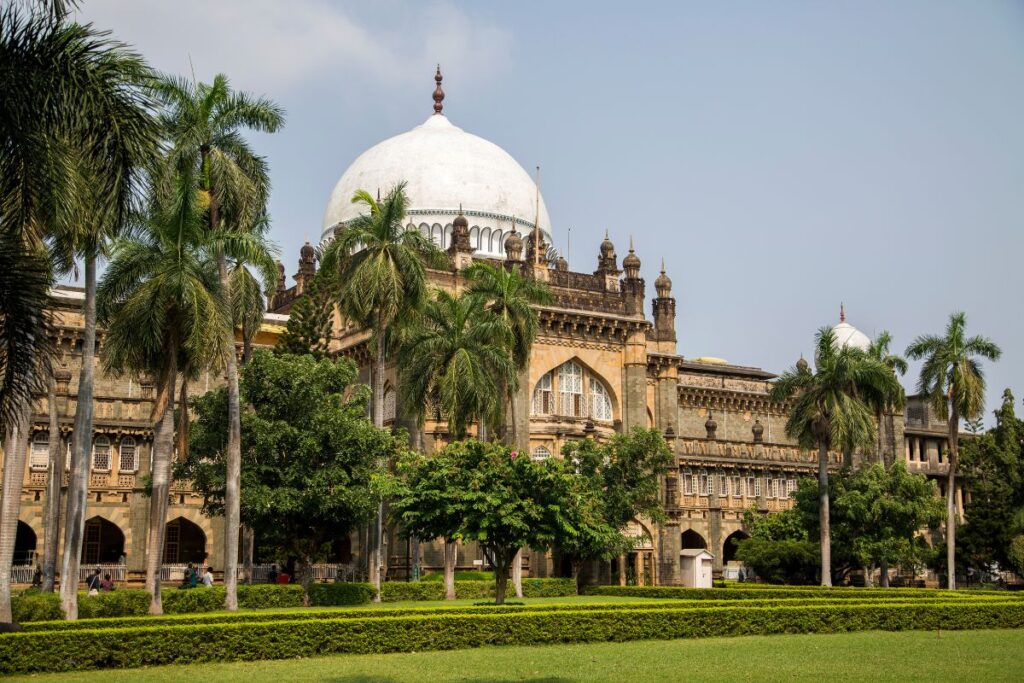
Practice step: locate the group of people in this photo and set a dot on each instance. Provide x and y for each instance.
(193, 576)
(281, 576)
(94, 584)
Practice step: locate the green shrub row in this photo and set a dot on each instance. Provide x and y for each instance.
(117, 648)
(396, 591)
(680, 592)
(33, 606)
(317, 614)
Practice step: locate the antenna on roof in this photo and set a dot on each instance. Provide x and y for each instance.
(536, 223)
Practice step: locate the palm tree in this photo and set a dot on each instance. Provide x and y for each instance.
(76, 131)
(512, 298)
(163, 307)
(880, 350)
(832, 408)
(457, 358)
(954, 383)
(203, 123)
(382, 280)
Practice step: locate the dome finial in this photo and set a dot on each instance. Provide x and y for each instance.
(842, 312)
(438, 92)
(662, 265)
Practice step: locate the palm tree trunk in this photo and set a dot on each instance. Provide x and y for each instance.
(81, 440)
(248, 546)
(954, 452)
(377, 543)
(163, 445)
(54, 474)
(517, 573)
(232, 488)
(450, 555)
(15, 447)
(823, 523)
(183, 420)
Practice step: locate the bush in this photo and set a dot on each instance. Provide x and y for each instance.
(785, 561)
(781, 592)
(460, 576)
(118, 648)
(395, 591)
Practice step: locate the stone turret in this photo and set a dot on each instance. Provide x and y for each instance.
(607, 265)
(664, 313)
(514, 246)
(632, 283)
(460, 250)
(280, 289)
(307, 267)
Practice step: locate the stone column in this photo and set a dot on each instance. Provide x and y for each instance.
(670, 542)
(634, 394)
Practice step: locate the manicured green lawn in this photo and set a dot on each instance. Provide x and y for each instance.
(989, 656)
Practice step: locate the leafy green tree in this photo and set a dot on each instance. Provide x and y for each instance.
(310, 454)
(203, 122)
(383, 280)
(457, 359)
(161, 303)
(888, 402)
(612, 483)
(953, 380)
(512, 298)
(832, 408)
(487, 493)
(992, 467)
(310, 322)
(884, 509)
(778, 550)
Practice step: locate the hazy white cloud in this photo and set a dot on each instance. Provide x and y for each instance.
(271, 45)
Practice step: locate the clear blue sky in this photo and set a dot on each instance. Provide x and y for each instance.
(782, 156)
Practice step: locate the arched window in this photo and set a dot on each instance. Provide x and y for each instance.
(40, 455)
(570, 389)
(600, 403)
(541, 453)
(101, 454)
(389, 405)
(129, 462)
(543, 403)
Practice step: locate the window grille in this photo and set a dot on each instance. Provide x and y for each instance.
(751, 487)
(757, 486)
(688, 483)
(129, 463)
(600, 404)
(39, 457)
(737, 489)
(541, 453)
(101, 454)
(389, 405)
(543, 402)
(570, 389)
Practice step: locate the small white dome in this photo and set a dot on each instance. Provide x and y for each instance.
(445, 168)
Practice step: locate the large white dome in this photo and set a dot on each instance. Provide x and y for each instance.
(444, 168)
(848, 335)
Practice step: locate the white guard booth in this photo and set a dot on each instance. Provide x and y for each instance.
(695, 567)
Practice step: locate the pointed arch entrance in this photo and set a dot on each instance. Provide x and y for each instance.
(24, 545)
(693, 541)
(731, 544)
(184, 542)
(103, 542)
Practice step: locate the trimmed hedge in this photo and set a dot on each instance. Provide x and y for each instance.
(682, 593)
(32, 606)
(317, 614)
(118, 648)
(395, 591)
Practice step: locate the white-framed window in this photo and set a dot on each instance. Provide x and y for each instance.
(751, 487)
(389, 405)
(39, 456)
(129, 462)
(737, 487)
(541, 453)
(723, 485)
(570, 390)
(688, 483)
(790, 487)
(543, 400)
(600, 403)
(707, 484)
(101, 454)
(757, 486)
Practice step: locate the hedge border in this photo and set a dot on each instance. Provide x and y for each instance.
(440, 610)
(117, 648)
(680, 592)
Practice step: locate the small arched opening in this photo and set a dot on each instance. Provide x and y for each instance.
(691, 540)
(184, 542)
(103, 542)
(732, 543)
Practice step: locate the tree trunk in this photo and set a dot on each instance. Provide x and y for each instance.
(232, 488)
(823, 523)
(378, 421)
(15, 447)
(163, 445)
(501, 567)
(954, 452)
(181, 438)
(306, 567)
(248, 548)
(54, 474)
(416, 571)
(81, 441)
(622, 570)
(883, 565)
(517, 573)
(450, 556)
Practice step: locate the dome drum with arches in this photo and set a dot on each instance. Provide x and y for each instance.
(444, 168)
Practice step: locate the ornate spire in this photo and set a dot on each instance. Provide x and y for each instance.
(438, 92)
(842, 312)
